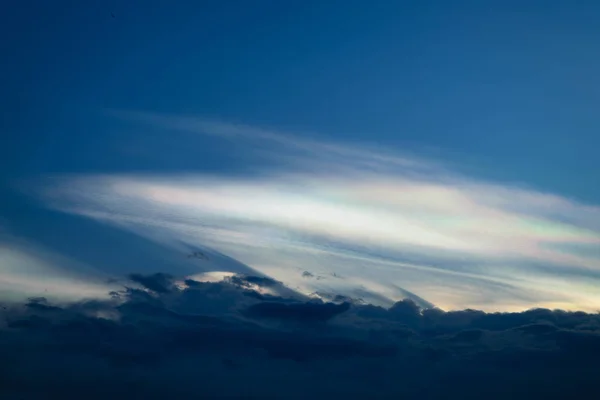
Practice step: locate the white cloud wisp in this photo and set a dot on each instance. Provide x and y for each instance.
(362, 222)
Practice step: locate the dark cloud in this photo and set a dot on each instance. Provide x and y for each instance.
(225, 340)
(159, 282)
(252, 283)
(248, 281)
(41, 304)
(470, 335)
(302, 312)
(419, 301)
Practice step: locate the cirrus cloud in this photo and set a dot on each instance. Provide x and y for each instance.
(374, 219)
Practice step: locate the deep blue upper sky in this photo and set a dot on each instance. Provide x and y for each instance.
(507, 88)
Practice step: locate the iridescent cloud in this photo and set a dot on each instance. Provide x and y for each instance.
(360, 221)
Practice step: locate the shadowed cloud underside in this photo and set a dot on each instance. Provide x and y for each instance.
(157, 338)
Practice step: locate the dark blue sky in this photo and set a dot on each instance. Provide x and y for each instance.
(506, 89)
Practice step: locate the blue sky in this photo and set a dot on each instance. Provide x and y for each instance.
(489, 107)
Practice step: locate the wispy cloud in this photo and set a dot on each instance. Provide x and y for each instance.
(374, 218)
(30, 270)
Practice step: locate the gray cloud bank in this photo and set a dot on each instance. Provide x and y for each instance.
(162, 338)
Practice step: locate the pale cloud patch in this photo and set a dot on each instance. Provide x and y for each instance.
(30, 270)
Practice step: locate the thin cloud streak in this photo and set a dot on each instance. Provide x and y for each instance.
(361, 214)
(29, 270)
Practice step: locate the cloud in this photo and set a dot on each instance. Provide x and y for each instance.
(159, 282)
(200, 340)
(29, 270)
(307, 312)
(388, 223)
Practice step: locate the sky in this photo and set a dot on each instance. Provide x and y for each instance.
(439, 151)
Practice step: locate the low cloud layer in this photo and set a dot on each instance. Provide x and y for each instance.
(159, 337)
(359, 220)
